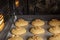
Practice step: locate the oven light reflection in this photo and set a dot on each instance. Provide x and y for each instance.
(17, 3)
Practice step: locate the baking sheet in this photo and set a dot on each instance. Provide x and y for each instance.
(7, 27)
(29, 18)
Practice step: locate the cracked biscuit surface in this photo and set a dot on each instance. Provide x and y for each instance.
(54, 22)
(16, 38)
(55, 37)
(37, 30)
(38, 22)
(55, 30)
(35, 38)
(18, 31)
(21, 22)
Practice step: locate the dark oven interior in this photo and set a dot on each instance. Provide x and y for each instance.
(30, 7)
(44, 9)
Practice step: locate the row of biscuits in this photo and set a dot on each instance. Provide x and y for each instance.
(54, 29)
(37, 29)
(20, 29)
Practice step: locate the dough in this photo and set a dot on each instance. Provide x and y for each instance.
(35, 38)
(21, 22)
(37, 30)
(55, 37)
(38, 22)
(18, 31)
(55, 30)
(54, 22)
(16, 38)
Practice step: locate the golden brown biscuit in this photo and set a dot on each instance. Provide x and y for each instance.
(55, 37)
(55, 30)
(37, 30)
(35, 38)
(38, 22)
(16, 38)
(18, 31)
(54, 22)
(21, 22)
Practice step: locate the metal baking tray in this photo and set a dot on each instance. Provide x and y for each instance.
(29, 18)
(6, 29)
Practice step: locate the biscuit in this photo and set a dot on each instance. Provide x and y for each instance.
(55, 37)
(16, 38)
(35, 38)
(54, 30)
(54, 22)
(38, 22)
(21, 22)
(18, 31)
(37, 30)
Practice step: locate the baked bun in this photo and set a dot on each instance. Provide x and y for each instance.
(37, 30)
(38, 22)
(21, 22)
(54, 30)
(35, 38)
(54, 22)
(55, 37)
(18, 31)
(16, 38)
